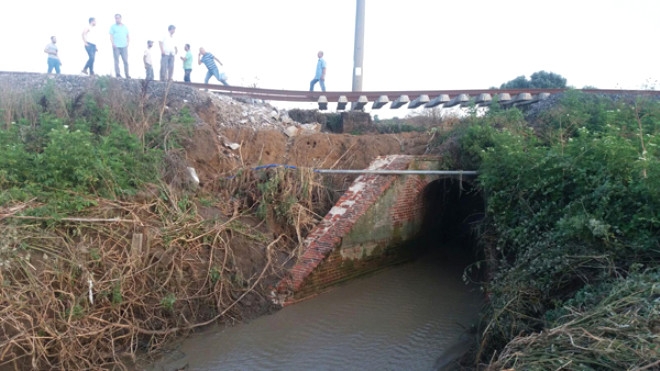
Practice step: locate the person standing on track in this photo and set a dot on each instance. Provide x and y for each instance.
(187, 63)
(320, 73)
(89, 39)
(54, 62)
(119, 39)
(148, 64)
(209, 60)
(168, 50)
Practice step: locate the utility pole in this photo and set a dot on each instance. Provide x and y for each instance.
(358, 51)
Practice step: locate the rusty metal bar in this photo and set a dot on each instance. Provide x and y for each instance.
(397, 172)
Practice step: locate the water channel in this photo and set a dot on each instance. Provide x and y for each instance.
(404, 318)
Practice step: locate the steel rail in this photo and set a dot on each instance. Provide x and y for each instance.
(351, 96)
(307, 96)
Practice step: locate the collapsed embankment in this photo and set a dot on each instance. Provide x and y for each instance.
(111, 247)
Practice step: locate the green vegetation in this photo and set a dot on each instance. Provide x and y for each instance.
(333, 122)
(573, 224)
(64, 164)
(63, 154)
(538, 80)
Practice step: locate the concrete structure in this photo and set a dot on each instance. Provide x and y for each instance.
(439, 100)
(365, 231)
(341, 103)
(360, 103)
(400, 101)
(352, 122)
(358, 46)
(421, 100)
(380, 102)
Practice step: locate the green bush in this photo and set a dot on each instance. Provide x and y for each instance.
(576, 205)
(62, 165)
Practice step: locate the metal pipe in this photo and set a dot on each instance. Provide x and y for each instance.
(398, 172)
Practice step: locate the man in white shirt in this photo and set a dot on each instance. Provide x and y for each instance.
(168, 50)
(89, 38)
(54, 62)
(148, 65)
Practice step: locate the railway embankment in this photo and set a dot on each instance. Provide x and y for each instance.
(131, 213)
(110, 247)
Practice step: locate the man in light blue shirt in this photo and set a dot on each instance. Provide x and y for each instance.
(119, 39)
(320, 73)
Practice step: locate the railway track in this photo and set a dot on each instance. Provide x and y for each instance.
(396, 99)
(410, 98)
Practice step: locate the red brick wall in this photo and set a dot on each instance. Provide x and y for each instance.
(408, 208)
(338, 249)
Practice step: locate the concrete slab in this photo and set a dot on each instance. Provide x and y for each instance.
(400, 101)
(523, 99)
(440, 99)
(484, 99)
(380, 102)
(459, 99)
(323, 103)
(361, 102)
(541, 96)
(342, 102)
(504, 98)
(422, 99)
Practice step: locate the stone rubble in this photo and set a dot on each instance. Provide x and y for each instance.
(240, 112)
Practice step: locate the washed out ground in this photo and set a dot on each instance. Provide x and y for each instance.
(227, 139)
(232, 136)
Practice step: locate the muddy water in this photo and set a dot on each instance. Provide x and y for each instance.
(403, 318)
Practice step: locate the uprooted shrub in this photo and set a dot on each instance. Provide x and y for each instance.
(608, 326)
(94, 290)
(290, 200)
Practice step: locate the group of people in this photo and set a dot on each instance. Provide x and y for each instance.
(119, 37)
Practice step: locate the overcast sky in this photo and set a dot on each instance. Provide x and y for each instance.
(409, 45)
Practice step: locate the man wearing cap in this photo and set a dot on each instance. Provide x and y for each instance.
(148, 65)
(209, 60)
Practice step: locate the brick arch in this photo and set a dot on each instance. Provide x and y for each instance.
(453, 207)
(364, 231)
